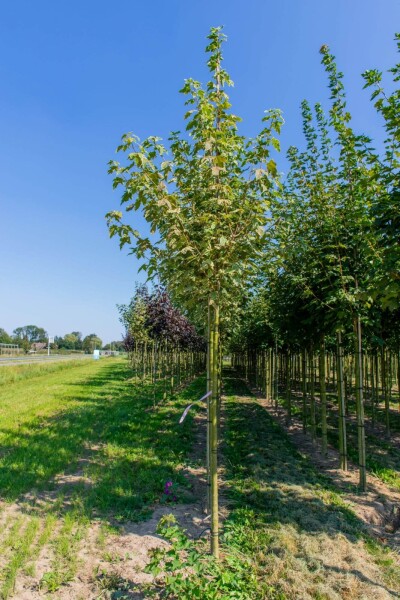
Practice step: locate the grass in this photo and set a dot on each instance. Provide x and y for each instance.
(49, 423)
(288, 534)
(288, 516)
(65, 562)
(14, 373)
(83, 447)
(88, 418)
(383, 457)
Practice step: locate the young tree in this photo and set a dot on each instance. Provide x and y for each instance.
(206, 201)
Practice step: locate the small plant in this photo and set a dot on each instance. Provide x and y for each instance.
(183, 571)
(169, 492)
(114, 584)
(50, 582)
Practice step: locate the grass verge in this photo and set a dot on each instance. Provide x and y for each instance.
(82, 444)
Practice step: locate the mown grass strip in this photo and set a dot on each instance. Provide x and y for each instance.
(288, 519)
(14, 373)
(49, 424)
(129, 449)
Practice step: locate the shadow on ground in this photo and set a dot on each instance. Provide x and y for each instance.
(122, 449)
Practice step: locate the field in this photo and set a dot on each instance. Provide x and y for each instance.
(85, 459)
(78, 452)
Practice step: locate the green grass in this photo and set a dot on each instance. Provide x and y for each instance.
(383, 457)
(89, 418)
(65, 562)
(17, 372)
(289, 534)
(47, 423)
(21, 552)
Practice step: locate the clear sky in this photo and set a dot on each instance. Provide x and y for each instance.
(75, 75)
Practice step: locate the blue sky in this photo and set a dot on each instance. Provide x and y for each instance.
(76, 75)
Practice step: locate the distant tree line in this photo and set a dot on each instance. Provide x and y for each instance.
(31, 334)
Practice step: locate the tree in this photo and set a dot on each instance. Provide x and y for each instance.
(91, 342)
(70, 341)
(387, 177)
(328, 240)
(4, 337)
(117, 346)
(78, 338)
(207, 204)
(30, 333)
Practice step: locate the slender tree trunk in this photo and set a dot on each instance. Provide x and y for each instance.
(390, 381)
(304, 386)
(373, 387)
(385, 391)
(214, 434)
(341, 403)
(377, 375)
(360, 405)
(322, 388)
(271, 376)
(288, 389)
(209, 388)
(313, 420)
(398, 377)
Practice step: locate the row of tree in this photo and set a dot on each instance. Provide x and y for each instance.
(162, 344)
(278, 269)
(331, 272)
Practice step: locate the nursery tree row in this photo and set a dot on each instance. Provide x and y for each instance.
(298, 277)
(162, 344)
(331, 274)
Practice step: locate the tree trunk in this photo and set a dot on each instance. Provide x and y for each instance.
(313, 419)
(360, 405)
(214, 343)
(341, 404)
(398, 377)
(288, 389)
(385, 391)
(209, 387)
(304, 387)
(322, 389)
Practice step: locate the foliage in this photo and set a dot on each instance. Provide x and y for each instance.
(30, 334)
(183, 570)
(334, 249)
(387, 176)
(70, 341)
(205, 197)
(91, 342)
(151, 316)
(4, 337)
